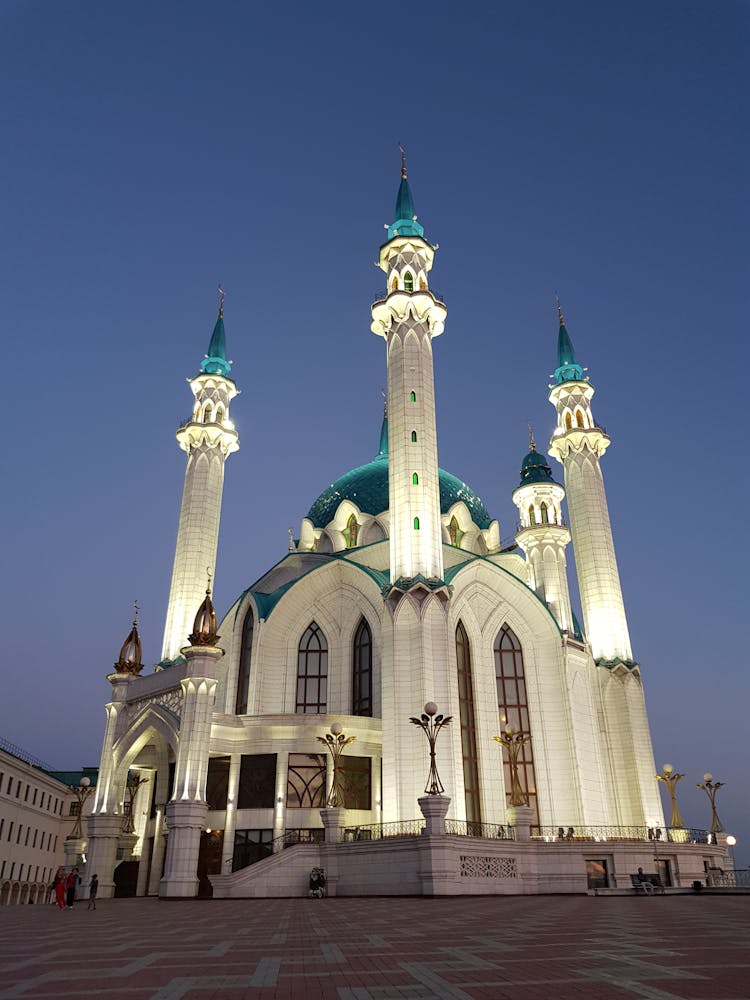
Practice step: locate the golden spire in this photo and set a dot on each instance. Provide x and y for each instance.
(532, 445)
(204, 627)
(559, 311)
(403, 162)
(129, 660)
(221, 302)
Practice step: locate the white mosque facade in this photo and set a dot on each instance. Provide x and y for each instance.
(396, 593)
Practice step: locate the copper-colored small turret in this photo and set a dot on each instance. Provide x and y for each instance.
(129, 660)
(204, 627)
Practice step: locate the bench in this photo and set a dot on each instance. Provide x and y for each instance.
(655, 881)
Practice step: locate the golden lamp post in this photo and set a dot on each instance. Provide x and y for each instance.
(132, 785)
(335, 740)
(513, 742)
(711, 787)
(81, 791)
(670, 777)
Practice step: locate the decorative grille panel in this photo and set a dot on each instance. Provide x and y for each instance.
(482, 866)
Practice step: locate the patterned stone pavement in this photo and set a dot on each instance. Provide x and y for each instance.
(524, 948)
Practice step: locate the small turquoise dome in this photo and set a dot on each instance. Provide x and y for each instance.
(534, 469)
(367, 487)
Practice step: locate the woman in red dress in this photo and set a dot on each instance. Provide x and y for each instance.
(60, 888)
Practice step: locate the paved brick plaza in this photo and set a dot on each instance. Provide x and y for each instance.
(534, 948)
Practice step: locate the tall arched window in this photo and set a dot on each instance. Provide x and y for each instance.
(579, 419)
(415, 479)
(416, 524)
(413, 437)
(532, 514)
(351, 532)
(454, 532)
(468, 727)
(312, 671)
(568, 421)
(513, 705)
(412, 397)
(208, 414)
(243, 677)
(543, 512)
(394, 283)
(408, 281)
(362, 671)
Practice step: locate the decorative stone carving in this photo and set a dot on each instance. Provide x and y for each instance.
(483, 866)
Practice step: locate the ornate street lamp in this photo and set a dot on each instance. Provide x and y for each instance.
(132, 785)
(81, 791)
(513, 742)
(670, 777)
(430, 722)
(711, 787)
(335, 740)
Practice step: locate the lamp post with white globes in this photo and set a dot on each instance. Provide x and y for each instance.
(81, 791)
(711, 787)
(670, 777)
(731, 841)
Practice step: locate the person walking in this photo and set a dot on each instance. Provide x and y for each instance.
(60, 885)
(93, 889)
(71, 888)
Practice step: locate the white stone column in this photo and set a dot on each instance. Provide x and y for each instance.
(101, 856)
(434, 809)
(186, 821)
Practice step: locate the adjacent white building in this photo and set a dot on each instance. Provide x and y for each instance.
(397, 592)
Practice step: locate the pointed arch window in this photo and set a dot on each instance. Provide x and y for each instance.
(454, 532)
(408, 281)
(394, 283)
(362, 671)
(208, 414)
(579, 419)
(312, 672)
(422, 283)
(415, 479)
(413, 437)
(532, 514)
(351, 532)
(416, 524)
(412, 397)
(246, 651)
(219, 414)
(544, 512)
(568, 421)
(468, 726)
(513, 706)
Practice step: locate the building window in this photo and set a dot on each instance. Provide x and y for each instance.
(413, 437)
(579, 419)
(362, 671)
(18, 790)
(416, 524)
(257, 789)
(312, 671)
(532, 514)
(597, 875)
(408, 281)
(246, 652)
(468, 727)
(351, 532)
(26, 794)
(10, 830)
(543, 512)
(356, 773)
(454, 532)
(251, 846)
(513, 705)
(306, 781)
(415, 479)
(217, 782)
(394, 283)
(208, 414)
(568, 421)
(74, 809)
(412, 397)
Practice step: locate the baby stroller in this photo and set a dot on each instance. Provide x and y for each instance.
(317, 883)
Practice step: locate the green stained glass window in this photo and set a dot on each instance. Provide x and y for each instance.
(416, 524)
(415, 480)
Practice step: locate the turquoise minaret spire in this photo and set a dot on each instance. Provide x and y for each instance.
(568, 370)
(215, 362)
(404, 218)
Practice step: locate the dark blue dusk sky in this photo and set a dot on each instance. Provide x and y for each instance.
(151, 150)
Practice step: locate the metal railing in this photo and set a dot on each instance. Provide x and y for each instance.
(558, 522)
(655, 835)
(738, 878)
(488, 831)
(24, 755)
(384, 831)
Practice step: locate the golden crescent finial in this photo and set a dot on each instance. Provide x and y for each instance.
(532, 445)
(137, 612)
(208, 585)
(403, 162)
(221, 301)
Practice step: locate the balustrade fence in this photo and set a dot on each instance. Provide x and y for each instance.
(558, 834)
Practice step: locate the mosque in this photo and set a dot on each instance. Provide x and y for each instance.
(396, 593)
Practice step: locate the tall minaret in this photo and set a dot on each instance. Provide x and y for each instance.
(208, 438)
(578, 443)
(542, 534)
(408, 317)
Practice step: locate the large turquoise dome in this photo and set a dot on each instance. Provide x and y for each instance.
(367, 487)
